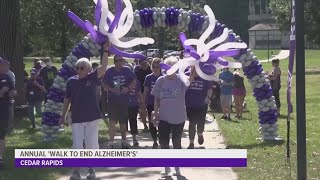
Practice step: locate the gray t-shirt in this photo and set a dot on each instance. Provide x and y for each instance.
(172, 99)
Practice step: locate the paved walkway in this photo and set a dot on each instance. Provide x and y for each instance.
(213, 140)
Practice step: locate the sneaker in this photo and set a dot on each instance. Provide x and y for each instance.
(125, 145)
(191, 146)
(155, 145)
(223, 117)
(200, 139)
(166, 172)
(75, 175)
(91, 174)
(135, 143)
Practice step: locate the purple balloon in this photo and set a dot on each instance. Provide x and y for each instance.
(222, 61)
(183, 38)
(116, 51)
(75, 19)
(164, 66)
(208, 69)
(231, 38)
(91, 30)
(117, 17)
(97, 13)
(226, 53)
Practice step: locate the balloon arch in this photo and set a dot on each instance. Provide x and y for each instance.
(225, 43)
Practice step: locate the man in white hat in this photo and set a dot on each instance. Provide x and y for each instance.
(226, 80)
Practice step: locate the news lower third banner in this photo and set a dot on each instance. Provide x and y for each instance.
(38, 158)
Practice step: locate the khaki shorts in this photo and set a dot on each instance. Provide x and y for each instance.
(226, 100)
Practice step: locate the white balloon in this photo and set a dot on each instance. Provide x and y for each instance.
(92, 46)
(183, 24)
(68, 64)
(272, 98)
(265, 125)
(247, 63)
(261, 80)
(74, 58)
(265, 109)
(185, 14)
(163, 24)
(212, 24)
(137, 18)
(159, 11)
(159, 21)
(218, 40)
(242, 57)
(98, 47)
(259, 85)
(181, 10)
(249, 57)
(163, 16)
(265, 101)
(85, 45)
(155, 16)
(188, 20)
(186, 63)
(204, 25)
(231, 45)
(179, 18)
(272, 103)
(256, 78)
(234, 65)
(131, 43)
(267, 81)
(237, 38)
(190, 12)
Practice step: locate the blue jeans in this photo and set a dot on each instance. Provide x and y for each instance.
(31, 106)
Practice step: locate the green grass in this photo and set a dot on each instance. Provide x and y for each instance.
(268, 160)
(23, 137)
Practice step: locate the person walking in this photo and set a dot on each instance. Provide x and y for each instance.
(198, 97)
(149, 98)
(35, 91)
(81, 93)
(275, 81)
(170, 109)
(118, 81)
(239, 92)
(226, 81)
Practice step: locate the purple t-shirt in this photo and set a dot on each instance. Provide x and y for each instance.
(197, 92)
(83, 96)
(5, 81)
(124, 77)
(34, 93)
(150, 82)
(172, 99)
(133, 97)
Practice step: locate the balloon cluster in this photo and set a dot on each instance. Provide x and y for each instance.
(263, 93)
(54, 105)
(113, 27)
(205, 59)
(169, 17)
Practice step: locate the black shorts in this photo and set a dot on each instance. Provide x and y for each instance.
(197, 114)
(4, 119)
(150, 108)
(118, 111)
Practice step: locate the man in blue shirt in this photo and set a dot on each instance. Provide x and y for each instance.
(226, 80)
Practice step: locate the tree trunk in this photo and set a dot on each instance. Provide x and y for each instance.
(11, 42)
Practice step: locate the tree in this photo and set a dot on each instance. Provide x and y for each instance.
(234, 14)
(281, 10)
(47, 29)
(11, 42)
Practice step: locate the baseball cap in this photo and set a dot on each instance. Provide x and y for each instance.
(34, 71)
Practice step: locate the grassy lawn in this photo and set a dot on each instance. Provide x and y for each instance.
(23, 137)
(268, 160)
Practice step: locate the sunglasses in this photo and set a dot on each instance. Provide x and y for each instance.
(81, 68)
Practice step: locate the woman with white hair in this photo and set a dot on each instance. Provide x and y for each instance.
(81, 93)
(169, 108)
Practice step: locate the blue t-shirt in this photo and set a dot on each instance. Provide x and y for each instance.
(226, 85)
(83, 96)
(33, 92)
(121, 78)
(197, 92)
(133, 96)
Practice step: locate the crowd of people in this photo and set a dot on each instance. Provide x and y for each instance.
(163, 102)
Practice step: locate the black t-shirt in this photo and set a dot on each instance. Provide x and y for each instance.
(5, 81)
(141, 75)
(33, 92)
(238, 81)
(48, 75)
